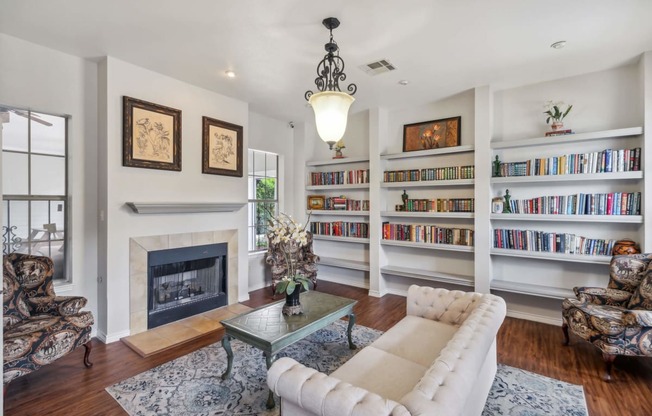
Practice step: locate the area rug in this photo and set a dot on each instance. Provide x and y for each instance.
(191, 385)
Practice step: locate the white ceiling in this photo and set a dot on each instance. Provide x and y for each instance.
(442, 47)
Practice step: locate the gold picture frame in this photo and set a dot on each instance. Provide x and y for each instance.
(434, 134)
(151, 135)
(221, 147)
(316, 202)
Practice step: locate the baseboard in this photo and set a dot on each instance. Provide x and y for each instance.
(534, 317)
(259, 286)
(107, 339)
(346, 282)
(397, 292)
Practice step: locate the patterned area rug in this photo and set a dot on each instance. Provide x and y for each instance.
(191, 385)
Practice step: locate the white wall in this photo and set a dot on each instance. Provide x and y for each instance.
(41, 79)
(124, 184)
(271, 135)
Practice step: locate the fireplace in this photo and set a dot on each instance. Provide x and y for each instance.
(185, 281)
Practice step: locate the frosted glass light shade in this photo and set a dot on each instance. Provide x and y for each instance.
(331, 113)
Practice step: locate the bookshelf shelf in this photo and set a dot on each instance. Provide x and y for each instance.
(456, 279)
(339, 213)
(428, 246)
(580, 177)
(341, 239)
(425, 153)
(342, 161)
(531, 289)
(337, 187)
(574, 258)
(624, 219)
(419, 214)
(569, 138)
(343, 263)
(428, 184)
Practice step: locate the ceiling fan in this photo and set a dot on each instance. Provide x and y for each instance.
(30, 116)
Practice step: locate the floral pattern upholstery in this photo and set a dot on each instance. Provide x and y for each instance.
(306, 261)
(616, 319)
(39, 327)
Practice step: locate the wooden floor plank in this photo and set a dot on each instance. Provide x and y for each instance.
(66, 387)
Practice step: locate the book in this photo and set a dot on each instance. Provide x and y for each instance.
(559, 133)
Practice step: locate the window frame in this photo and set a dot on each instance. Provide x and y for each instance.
(251, 181)
(29, 198)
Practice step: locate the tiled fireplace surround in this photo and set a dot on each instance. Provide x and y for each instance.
(140, 246)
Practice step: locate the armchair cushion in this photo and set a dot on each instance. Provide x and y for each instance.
(642, 296)
(603, 296)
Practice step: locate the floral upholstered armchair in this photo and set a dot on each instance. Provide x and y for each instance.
(306, 262)
(616, 319)
(38, 326)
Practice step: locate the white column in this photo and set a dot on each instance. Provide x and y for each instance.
(378, 137)
(646, 150)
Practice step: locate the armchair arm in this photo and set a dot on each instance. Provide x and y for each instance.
(635, 317)
(56, 305)
(602, 296)
(323, 395)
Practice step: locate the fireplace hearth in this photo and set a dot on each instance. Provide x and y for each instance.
(185, 281)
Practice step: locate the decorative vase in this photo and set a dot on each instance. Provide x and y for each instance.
(292, 304)
(625, 246)
(557, 125)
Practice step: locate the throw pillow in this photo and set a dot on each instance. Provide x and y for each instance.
(642, 296)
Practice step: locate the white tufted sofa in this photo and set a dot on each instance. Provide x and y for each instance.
(438, 360)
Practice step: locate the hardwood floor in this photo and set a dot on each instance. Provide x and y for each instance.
(66, 387)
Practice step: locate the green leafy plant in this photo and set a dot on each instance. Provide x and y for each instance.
(290, 237)
(555, 111)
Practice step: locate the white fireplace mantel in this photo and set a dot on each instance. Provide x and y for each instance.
(183, 207)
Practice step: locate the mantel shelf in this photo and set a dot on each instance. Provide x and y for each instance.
(183, 207)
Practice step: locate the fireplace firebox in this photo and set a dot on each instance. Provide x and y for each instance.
(185, 281)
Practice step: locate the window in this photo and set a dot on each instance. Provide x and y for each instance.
(34, 185)
(263, 196)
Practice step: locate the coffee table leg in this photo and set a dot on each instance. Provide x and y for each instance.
(269, 359)
(348, 331)
(226, 343)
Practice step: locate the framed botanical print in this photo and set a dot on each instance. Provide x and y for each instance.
(221, 147)
(433, 134)
(151, 135)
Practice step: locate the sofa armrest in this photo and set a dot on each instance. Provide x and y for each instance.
(56, 305)
(602, 295)
(635, 317)
(326, 396)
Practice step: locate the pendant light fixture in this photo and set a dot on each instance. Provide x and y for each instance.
(331, 106)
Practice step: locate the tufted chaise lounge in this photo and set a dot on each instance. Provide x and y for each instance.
(38, 326)
(438, 360)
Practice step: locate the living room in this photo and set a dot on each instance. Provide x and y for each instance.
(80, 60)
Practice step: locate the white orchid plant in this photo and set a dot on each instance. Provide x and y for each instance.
(290, 236)
(555, 111)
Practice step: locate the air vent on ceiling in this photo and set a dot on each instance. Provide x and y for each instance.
(378, 67)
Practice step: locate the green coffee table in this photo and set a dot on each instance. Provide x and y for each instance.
(267, 329)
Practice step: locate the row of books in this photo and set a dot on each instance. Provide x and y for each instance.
(614, 203)
(342, 203)
(623, 160)
(438, 205)
(341, 229)
(432, 234)
(541, 241)
(430, 174)
(342, 177)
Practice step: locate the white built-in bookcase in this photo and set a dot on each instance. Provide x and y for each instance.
(522, 277)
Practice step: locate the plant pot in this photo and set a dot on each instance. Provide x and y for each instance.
(625, 246)
(292, 304)
(557, 125)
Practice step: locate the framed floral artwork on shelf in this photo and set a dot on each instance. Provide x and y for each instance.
(317, 202)
(434, 134)
(221, 148)
(151, 135)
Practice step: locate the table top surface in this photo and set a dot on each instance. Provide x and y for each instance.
(268, 325)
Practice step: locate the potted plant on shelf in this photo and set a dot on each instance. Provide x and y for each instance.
(290, 237)
(556, 114)
(338, 149)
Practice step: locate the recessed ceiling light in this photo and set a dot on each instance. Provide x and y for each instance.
(558, 45)
(404, 82)
(230, 74)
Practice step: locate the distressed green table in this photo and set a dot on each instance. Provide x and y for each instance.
(267, 329)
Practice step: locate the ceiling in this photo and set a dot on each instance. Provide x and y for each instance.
(442, 47)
